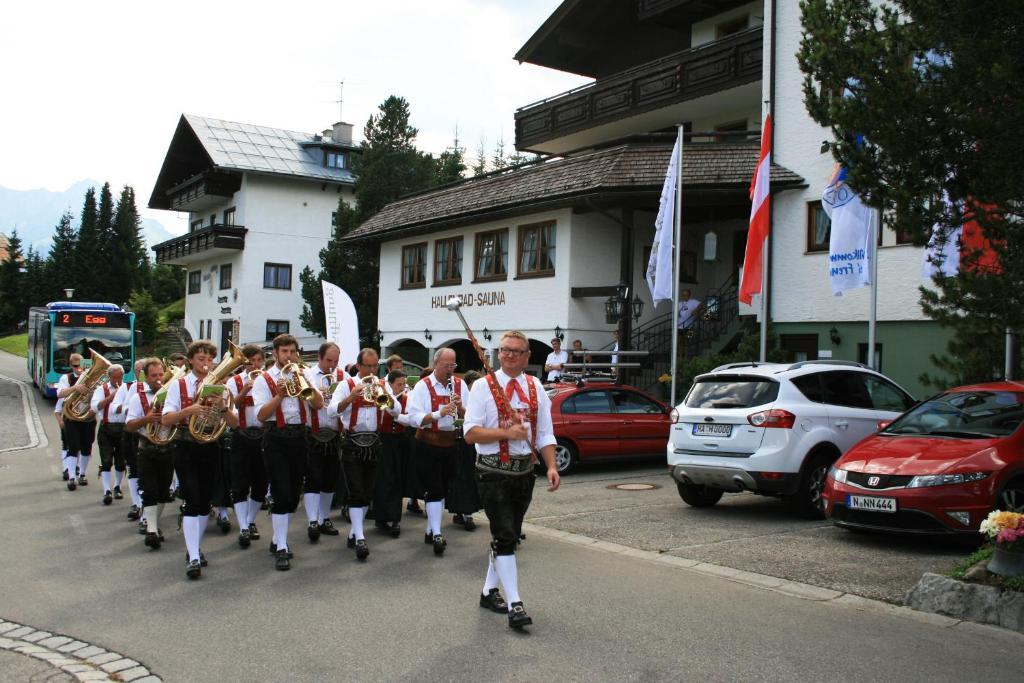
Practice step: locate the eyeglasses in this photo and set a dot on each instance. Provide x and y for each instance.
(512, 352)
(450, 366)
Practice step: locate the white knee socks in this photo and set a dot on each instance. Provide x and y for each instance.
(492, 576)
(105, 478)
(357, 515)
(311, 501)
(83, 465)
(152, 517)
(242, 513)
(254, 509)
(505, 567)
(133, 489)
(190, 528)
(70, 463)
(326, 498)
(118, 478)
(280, 523)
(434, 513)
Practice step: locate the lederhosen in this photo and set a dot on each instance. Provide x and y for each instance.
(359, 454)
(130, 440)
(284, 455)
(323, 465)
(248, 472)
(155, 463)
(197, 464)
(435, 448)
(505, 480)
(109, 437)
(80, 435)
(389, 486)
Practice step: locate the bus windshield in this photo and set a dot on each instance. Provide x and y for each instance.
(114, 344)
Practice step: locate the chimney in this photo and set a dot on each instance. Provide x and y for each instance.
(342, 132)
(327, 134)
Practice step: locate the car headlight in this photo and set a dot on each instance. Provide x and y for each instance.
(838, 475)
(925, 481)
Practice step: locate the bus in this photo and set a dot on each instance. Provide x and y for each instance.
(61, 328)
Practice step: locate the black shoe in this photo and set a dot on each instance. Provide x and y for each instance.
(494, 602)
(107, 498)
(202, 559)
(65, 476)
(254, 533)
(134, 513)
(396, 530)
(470, 525)
(458, 519)
(152, 541)
(439, 544)
(362, 550)
(193, 569)
(72, 485)
(351, 542)
(244, 541)
(517, 616)
(82, 481)
(313, 531)
(117, 493)
(274, 551)
(327, 528)
(224, 524)
(283, 561)
(142, 527)
(160, 534)
(428, 539)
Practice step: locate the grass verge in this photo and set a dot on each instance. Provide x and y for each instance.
(1014, 583)
(16, 344)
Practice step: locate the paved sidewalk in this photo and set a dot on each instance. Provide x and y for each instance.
(13, 428)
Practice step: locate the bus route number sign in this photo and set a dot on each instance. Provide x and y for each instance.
(83, 319)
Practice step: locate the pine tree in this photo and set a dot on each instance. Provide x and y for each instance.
(105, 287)
(167, 284)
(62, 264)
(90, 248)
(451, 164)
(36, 287)
(498, 158)
(13, 304)
(480, 161)
(127, 262)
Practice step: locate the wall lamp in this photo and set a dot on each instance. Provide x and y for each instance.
(380, 336)
(487, 334)
(833, 335)
(559, 334)
(427, 335)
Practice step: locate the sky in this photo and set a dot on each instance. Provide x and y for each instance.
(95, 90)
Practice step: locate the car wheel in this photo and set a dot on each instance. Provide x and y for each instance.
(1011, 498)
(566, 457)
(807, 502)
(698, 496)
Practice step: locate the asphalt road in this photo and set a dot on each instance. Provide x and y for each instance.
(75, 567)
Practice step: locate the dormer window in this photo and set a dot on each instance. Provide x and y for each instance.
(334, 159)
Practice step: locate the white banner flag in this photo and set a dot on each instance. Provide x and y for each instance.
(659, 267)
(942, 254)
(342, 322)
(851, 244)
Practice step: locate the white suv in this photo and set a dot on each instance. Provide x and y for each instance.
(775, 429)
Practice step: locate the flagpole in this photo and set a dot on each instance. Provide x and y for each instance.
(764, 295)
(873, 312)
(677, 238)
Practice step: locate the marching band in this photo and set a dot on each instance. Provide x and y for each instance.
(244, 434)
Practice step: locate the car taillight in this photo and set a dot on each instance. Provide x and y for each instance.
(673, 416)
(782, 419)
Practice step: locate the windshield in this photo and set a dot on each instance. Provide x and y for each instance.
(114, 344)
(731, 391)
(964, 415)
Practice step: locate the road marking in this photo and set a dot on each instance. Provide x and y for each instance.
(36, 433)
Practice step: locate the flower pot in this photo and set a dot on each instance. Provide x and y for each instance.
(1006, 562)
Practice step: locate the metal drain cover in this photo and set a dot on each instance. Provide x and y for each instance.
(634, 487)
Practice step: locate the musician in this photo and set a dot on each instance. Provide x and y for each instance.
(80, 433)
(155, 462)
(108, 436)
(509, 417)
(322, 457)
(390, 482)
(361, 421)
(248, 474)
(58, 414)
(196, 463)
(130, 440)
(434, 403)
(284, 445)
(462, 498)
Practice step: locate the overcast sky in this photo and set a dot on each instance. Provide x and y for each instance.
(94, 90)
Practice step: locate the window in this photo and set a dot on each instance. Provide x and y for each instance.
(886, 395)
(225, 276)
(844, 388)
(335, 160)
(536, 250)
(334, 219)
(202, 328)
(448, 261)
(862, 355)
(731, 26)
(819, 226)
(491, 255)
(196, 225)
(588, 402)
(194, 280)
(276, 327)
(414, 266)
(628, 402)
(732, 391)
(277, 276)
(799, 347)
(810, 386)
(213, 219)
(229, 216)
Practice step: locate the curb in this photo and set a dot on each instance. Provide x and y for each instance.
(794, 589)
(83, 661)
(36, 433)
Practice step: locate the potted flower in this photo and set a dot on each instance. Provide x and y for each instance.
(1006, 531)
(664, 386)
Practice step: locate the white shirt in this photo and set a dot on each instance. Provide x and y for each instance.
(366, 420)
(418, 406)
(118, 405)
(94, 405)
(134, 411)
(482, 412)
(250, 411)
(556, 358)
(687, 309)
(262, 395)
(172, 403)
(326, 417)
(63, 383)
(59, 407)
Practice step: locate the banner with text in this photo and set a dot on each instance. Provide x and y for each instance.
(342, 322)
(851, 243)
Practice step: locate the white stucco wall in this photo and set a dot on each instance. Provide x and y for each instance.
(704, 31)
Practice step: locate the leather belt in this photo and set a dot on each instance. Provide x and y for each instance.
(438, 439)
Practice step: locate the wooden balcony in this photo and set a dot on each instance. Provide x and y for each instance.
(201, 244)
(683, 11)
(201, 191)
(722, 65)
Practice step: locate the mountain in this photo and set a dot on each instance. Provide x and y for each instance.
(35, 213)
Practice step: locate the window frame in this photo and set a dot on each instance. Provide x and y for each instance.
(422, 264)
(811, 246)
(195, 225)
(440, 281)
(277, 323)
(220, 276)
(609, 404)
(479, 238)
(195, 277)
(730, 27)
(337, 155)
(268, 264)
(521, 232)
(229, 216)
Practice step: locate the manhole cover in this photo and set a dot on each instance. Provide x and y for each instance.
(633, 487)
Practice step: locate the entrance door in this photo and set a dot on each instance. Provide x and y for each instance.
(226, 328)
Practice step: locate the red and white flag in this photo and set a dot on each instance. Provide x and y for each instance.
(759, 203)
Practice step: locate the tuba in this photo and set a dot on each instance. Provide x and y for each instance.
(77, 406)
(208, 426)
(157, 434)
(375, 394)
(295, 383)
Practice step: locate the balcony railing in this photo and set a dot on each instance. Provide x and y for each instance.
(198, 241)
(202, 190)
(723, 64)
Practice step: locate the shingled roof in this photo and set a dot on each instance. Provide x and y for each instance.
(626, 168)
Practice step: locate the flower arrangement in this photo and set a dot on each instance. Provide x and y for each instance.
(1005, 529)
(665, 378)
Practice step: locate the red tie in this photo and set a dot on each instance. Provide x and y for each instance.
(513, 388)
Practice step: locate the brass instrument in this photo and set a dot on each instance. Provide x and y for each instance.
(295, 383)
(77, 406)
(253, 374)
(158, 434)
(374, 393)
(208, 426)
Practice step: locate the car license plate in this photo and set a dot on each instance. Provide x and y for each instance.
(704, 429)
(871, 503)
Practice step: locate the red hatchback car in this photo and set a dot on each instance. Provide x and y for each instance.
(939, 468)
(603, 420)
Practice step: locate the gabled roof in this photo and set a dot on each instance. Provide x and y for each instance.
(201, 144)
(626, 168)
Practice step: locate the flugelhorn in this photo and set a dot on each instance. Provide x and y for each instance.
(295, 383)
(374, 393)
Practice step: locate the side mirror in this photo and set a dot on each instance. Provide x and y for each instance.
(882, 424)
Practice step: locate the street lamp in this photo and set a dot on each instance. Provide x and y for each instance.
(427, 335)
(69, 292)
(615, 305)
(638, 308)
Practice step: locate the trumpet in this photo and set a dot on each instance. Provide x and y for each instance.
(208, 427)
(295, 383)
(157, 434)
(374, 393)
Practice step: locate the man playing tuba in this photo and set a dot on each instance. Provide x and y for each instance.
(80, 433)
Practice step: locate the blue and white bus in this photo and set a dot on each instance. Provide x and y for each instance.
(62, 328)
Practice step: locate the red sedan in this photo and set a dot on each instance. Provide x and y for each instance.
(603, 420)
(939, 468)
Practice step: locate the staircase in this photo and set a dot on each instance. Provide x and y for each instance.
(175, 338)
